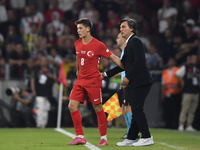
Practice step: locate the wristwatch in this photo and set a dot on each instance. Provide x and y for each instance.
(105, 74)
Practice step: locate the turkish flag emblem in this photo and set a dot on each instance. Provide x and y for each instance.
(90, 53)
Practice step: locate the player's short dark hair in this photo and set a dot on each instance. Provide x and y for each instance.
(131, 23)
(85, 22)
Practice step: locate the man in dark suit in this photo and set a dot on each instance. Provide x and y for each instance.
(138, 81)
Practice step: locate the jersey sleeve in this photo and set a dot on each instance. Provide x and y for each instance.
(104, 51)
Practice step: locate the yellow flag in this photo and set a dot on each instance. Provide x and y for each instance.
(112, 107)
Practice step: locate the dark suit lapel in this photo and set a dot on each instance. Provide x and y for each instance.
(128, 44)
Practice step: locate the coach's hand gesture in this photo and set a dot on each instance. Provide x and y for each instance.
(124, 83)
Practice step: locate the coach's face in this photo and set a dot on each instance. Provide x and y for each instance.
(125, 30)
(82, 30)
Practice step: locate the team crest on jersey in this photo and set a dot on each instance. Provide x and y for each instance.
(107, 50)
(90, 53)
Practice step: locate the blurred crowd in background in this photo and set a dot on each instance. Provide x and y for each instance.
(31, 30)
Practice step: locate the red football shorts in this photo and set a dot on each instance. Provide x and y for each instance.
(79, 93)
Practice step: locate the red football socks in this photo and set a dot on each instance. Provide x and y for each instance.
(77, 120)
(102, 122)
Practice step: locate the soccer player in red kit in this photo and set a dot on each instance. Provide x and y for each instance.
(89, 82)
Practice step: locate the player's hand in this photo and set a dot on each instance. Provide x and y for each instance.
(77, 72)
(124, 83)
(102, 75)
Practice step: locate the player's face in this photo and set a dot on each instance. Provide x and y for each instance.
(120, 40)
(82, 30)
(125, 30)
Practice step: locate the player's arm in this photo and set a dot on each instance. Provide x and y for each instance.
(116, 60)
(115, 70)
(77, 66)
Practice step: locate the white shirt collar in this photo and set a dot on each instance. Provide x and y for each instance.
(128, 38)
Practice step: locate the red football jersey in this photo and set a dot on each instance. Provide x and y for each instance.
(88, 60)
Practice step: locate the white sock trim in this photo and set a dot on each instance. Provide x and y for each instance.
(81, 136)
(104, 137)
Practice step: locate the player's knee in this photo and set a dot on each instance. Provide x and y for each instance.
(97, 108)
(72, 107)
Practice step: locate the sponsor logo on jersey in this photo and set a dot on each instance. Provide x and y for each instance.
(107, 50)
(77, 52)
(83, 52)
(90, 53)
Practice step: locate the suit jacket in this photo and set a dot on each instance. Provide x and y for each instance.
(134, 62)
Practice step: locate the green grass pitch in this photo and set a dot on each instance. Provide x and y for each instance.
(50, 139)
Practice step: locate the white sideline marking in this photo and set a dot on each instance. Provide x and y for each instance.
(171, 146)
(88, 145)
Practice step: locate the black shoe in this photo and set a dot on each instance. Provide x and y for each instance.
(124, 137)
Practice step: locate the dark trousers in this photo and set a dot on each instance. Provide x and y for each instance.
(139, 121)
(172, 107)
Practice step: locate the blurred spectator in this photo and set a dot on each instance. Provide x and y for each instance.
(1, 43)
(113, 19)
(151, 57)
(54, 61)
(17, 60)
(104, 64)
(23, 115)
(28, 20)
(2, 67)
(142, 24)
(70, 60)
(145, 40)
(53, 8)
(9, 49)
(66, 34)
(39, 4)
(66, 47)
(166, 46)
(37, 48)
(97, 25)
(198, 18)
(177, 29)
(57, 24)
(12, 36)
(177, 42)
(50, 38)
(70, 70)
(109, 42)
(29, 38)
(27, 73)
(41, 85)
(12, 20)
(67, 7)
(39, 56)
(3, 12)
(190, 42)
(87, 11)
(186, 12)
(188, 75)
(19, 4)
(114, 32)
(165, 12)
(37, 13)
(170, 95)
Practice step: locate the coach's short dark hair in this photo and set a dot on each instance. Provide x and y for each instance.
(131, 23)
(85, 22)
